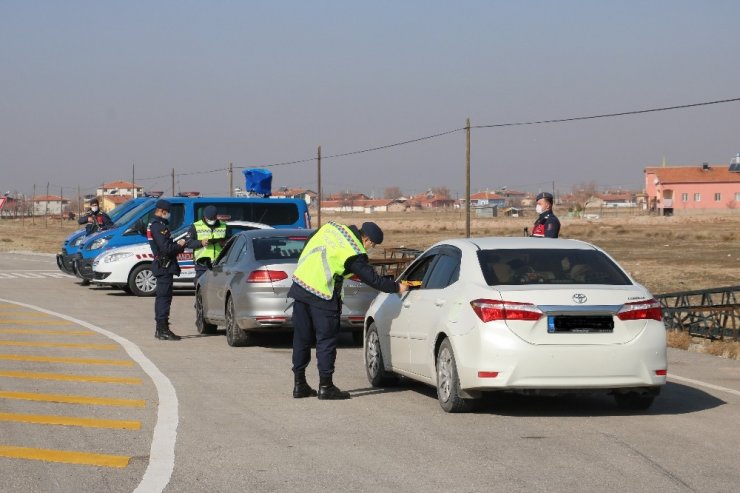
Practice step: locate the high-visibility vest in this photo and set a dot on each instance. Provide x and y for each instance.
(323, 258)
(205, 232)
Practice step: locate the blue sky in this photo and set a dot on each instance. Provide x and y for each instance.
(88, 88)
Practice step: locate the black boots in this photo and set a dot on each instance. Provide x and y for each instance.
(329, 391)
(164, 333)
(301, 388)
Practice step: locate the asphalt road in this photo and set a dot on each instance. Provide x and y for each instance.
(197, 415)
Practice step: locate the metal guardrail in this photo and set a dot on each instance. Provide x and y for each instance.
(711, 313)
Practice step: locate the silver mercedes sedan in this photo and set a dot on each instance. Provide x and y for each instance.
(246, 288)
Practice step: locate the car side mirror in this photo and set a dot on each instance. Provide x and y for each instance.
(205, 262)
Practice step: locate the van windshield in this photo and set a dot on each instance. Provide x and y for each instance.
(270, 212)
(133, 213)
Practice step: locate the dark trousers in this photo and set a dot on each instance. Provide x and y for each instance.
(163, 298)
(310, 322)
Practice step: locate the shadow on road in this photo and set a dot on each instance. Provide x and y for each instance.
(674, 399)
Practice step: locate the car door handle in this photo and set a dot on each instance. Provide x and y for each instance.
(439, 302)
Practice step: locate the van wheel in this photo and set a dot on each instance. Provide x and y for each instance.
(141, 281)
(200, 319)
(235, 336)
(448, 382)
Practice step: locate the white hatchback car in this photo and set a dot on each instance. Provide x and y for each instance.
(130, 267)
(529, 315)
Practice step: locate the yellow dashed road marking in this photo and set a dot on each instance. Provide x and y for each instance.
(72, 399)
(65, 456)
(45, 419)
(70, 378)
(34, 322)
(49, 332)
(104, 347)
(71, 361)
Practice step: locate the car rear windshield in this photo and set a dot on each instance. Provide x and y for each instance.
(272, 212)
(277, 248)
(553, 266)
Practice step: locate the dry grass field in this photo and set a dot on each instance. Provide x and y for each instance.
(666, 254)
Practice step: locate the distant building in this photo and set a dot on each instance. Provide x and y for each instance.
(120, 188)
(49, 204)
(109, 202)
(296, 193)
(356, 205)
(705, 187)
(487, 198)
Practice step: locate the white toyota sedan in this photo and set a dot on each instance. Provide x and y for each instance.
(130, 267)
(530, 315)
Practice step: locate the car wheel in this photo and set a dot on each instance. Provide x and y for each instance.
(448, 382)
(85, 282)
(126, 289)
(374, 367)
(234, 335)
(633, 401)
(141, 281)
(200, 319)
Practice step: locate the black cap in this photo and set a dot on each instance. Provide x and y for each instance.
(209, 212)
(544, 195)
(163, 204)
(94, 200)
(373, 232)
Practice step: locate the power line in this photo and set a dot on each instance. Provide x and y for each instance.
(609, 115)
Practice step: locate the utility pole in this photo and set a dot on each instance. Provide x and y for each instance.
(33, 205)
(133, 180)
(318, 198)
(79, 202)
(61, 207)
(46, 210)
(467, 178)
(173, 182)
(231, 179)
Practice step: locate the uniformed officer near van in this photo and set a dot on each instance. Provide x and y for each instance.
(164, 267)
(333, 253)
(206, 237)
(547, 224)
(95, 220)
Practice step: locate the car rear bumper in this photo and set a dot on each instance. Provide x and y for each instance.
(515, 364)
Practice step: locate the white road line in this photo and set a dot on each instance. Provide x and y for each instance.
(703, 384)
(162, 452)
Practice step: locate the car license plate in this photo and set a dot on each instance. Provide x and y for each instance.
(589, 324)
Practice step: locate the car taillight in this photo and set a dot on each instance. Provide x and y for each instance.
(267, 276)
(641, 310)
(355, 278)
(489, 310)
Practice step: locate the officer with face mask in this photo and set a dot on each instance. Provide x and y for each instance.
(206, 237)
(546, 225)
(95, 220)
(164, 267)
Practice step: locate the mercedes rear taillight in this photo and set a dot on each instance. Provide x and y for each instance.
(490, 310)
(641, 310)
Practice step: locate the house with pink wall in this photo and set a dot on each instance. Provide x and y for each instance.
(672, 189)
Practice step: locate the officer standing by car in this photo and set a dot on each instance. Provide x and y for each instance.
(95, 219)
(333, 253)
(164, 267)
(206, 237)
(547, 225)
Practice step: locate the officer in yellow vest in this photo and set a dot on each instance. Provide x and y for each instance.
(206, 237)
(333, 253)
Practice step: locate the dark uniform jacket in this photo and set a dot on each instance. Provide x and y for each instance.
(546, 226)
(358, 265)
(164, 249)
(101, 221)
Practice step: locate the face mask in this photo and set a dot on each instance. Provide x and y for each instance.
(94, 208)
(166, 216)
(211, 222)
(539, 209)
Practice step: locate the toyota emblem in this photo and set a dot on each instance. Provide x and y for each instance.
(579, 298)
